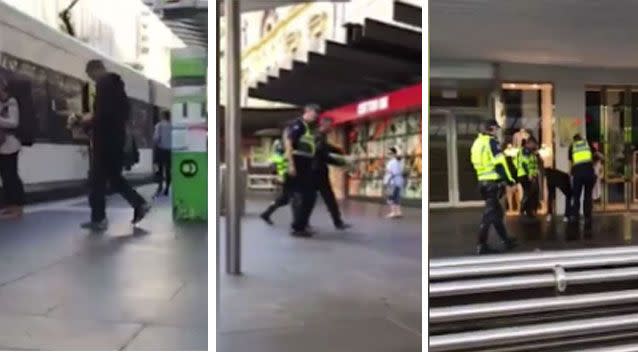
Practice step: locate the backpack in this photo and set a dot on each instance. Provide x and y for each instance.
(21, 90)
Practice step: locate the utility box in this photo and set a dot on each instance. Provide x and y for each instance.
(190, 172)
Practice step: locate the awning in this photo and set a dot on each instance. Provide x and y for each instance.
(378, 57)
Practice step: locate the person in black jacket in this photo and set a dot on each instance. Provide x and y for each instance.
(326, 154)
(561, 180)
(108, 136)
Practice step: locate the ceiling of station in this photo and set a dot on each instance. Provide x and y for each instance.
(188, 19)
(589, 33)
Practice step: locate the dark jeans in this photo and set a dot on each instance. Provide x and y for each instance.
(283, 198)
(584, 180)
(107, 167)
(558, 179)
(304, 193)
(529, 203)
(325, 189)
(11, 182)
(163, 168)
(493, 214)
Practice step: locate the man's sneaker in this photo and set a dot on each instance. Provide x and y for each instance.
(485, 249)
(548, 218)
(343, 226)
(566, 219)
(140, 213)
(266, 218)
(96, 226)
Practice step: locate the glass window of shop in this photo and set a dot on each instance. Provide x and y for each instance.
(455, 119)
(369, 143)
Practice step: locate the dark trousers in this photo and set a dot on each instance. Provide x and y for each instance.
(557, 179)
(583, 180)
(283, 198)
(304, 193)
(107, 168)
(163, 168)
(493, 214)
(11, 182)
(325, 189)
(529, 203)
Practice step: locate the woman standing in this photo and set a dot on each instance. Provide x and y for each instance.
(394, 182)
(9, 149)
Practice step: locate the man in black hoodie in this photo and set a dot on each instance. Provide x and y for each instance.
(327, 154)
(108, 135)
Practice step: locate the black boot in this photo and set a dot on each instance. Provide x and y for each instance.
(485, 249)
(267, 213)
(511, 243)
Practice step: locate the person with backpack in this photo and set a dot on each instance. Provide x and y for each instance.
(9, 150)
(109, 141)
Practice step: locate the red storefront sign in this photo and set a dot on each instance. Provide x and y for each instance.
(404, 99)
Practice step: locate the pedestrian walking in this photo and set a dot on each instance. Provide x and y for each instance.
(107, 124)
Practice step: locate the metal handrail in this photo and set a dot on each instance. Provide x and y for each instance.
(531, 266)
(538, 305)
(501, 284)
(632, 347)
(518, 257)
(536, 332)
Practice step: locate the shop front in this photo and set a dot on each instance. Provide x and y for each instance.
(367, 130)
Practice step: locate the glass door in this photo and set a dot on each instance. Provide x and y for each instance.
(465, 127)
(439, 176)
(616, 132)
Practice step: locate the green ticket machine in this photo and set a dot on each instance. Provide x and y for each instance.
(189, 163)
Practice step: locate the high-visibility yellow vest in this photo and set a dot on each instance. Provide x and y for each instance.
(528, 161)
(581, 153)
(485, 162)
(281, 163)
(306, 144)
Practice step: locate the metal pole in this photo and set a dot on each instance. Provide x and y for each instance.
(519, 334)
(538, 305)
(531, 266)
(466, 287)
(233, 137)
(505, 258)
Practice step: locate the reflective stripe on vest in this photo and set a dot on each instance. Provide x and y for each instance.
(529, 161)
(581, 153)
(281, 163)
(306, 144)
(483, 160)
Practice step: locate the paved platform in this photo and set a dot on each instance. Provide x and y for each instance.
(64, 289)
(453, 232)
(353, 291)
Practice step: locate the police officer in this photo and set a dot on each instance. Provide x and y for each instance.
(278, 159)
(300, 152)
(527, 172)
(583, 177)
(328, 154)
(492, 171)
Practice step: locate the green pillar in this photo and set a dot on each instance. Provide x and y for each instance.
(190, 154)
